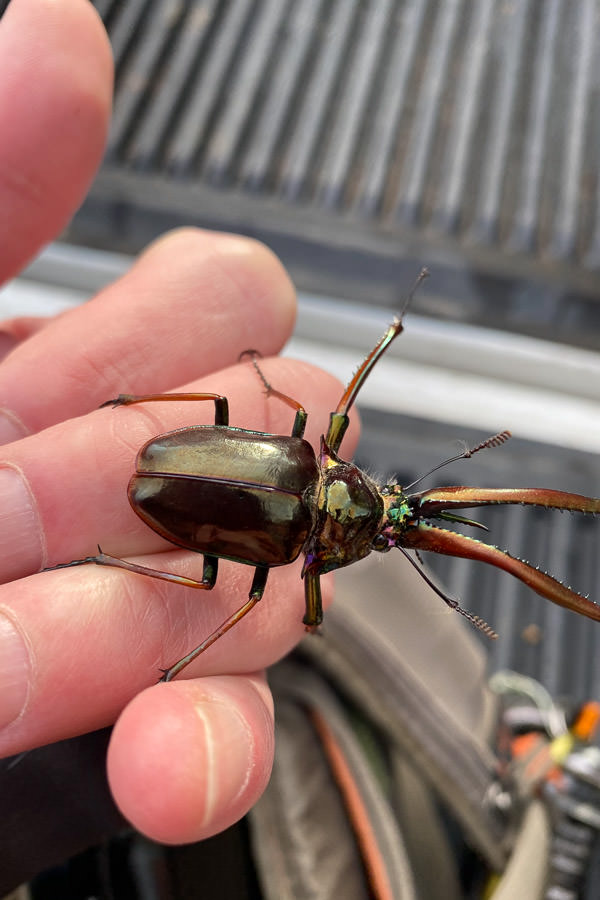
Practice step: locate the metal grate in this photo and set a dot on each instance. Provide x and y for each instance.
(351, 134)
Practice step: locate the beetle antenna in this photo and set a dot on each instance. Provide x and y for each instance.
(334, 436)
(496, 440)
(421, 277)
(450, 601)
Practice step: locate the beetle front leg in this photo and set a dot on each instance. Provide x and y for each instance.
(256, 591)
(314, 604)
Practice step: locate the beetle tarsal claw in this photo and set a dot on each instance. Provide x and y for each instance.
(251, 353)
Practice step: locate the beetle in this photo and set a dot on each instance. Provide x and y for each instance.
(263, 499)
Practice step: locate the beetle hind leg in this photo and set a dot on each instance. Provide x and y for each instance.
(256, 591)
(209, 571)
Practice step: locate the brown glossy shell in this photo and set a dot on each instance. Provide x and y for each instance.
(228, 492)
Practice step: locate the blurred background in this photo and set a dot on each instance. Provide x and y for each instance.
(362, 140)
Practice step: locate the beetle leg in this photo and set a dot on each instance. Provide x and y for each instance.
(301, 415)
(209, 572)
(221, 405)
(256, 591)
(314, 605)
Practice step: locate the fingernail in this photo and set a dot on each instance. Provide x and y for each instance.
(15, 671)
(229, 755)
(21, 545)
(11, 427)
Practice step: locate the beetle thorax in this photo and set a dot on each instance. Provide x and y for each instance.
(398, 517)
(349, 513)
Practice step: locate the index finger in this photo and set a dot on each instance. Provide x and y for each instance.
(190, 305)
(55, 99)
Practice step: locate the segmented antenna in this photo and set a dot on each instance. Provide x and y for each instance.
(334, 436)
(477, 621)
(421, 277)
(496, 440)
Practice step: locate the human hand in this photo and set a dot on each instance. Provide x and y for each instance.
(82, 647)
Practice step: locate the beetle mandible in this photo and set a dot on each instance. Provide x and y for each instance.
(192, 483)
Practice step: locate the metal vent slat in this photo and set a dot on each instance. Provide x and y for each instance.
(177, 74)
(581, 47)
(315, 101)
(536, 133)
(381, 137)
(461, 145)
(205, 91)
(124, 26)
(416, 167)
(352, 104)
(151, 43)
(506, 65)
(283, 83)
(238, 114)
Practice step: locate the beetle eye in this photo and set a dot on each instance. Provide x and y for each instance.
(381, 543)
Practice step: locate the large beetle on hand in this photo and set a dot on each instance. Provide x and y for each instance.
(262, 499)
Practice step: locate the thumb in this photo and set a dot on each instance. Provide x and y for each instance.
(189, 758)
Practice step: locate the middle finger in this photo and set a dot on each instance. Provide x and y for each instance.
(190, 305)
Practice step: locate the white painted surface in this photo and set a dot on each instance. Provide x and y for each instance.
(443, 371)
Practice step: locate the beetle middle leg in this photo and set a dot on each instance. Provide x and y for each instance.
(256, 591)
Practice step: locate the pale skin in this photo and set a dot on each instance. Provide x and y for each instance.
(190, 757)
